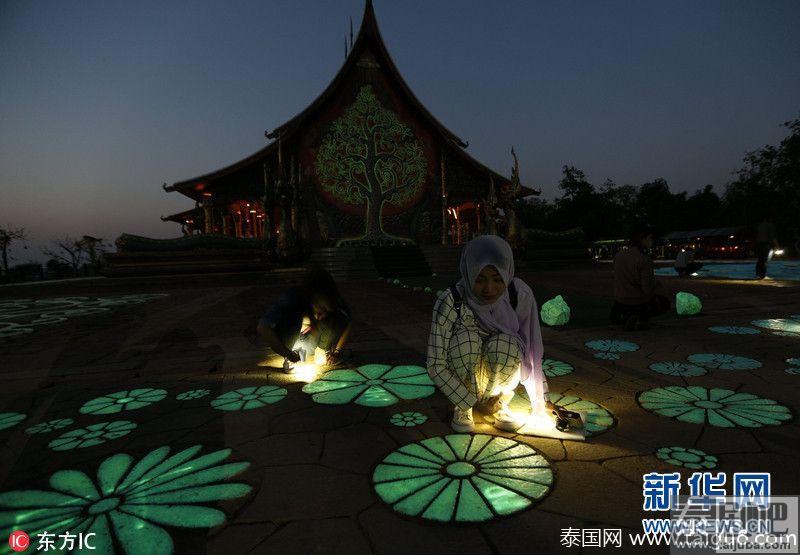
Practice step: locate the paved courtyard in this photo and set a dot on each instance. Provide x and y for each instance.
(145, 412)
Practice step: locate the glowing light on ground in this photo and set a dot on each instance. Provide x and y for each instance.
(553, 368)
(687, 458)
(783, 325)
(678, 369)
(91, 435)
(371, 385)
(9, 419)
(408, 419)
(723, 361)
(734, 330)
(49, 426)
(129, 503)
(463, 478)
(248, 398)
(192, 394)
(716, 407)
(123, 400)
(609, 349)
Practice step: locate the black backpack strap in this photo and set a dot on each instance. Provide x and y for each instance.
(456, 299)
(512, 294)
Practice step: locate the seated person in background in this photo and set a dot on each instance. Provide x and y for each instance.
(305, 317)
(637, 294)
(685, 264)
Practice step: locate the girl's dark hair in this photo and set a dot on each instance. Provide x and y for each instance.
(319, 282)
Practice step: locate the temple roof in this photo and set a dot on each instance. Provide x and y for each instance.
(369, 37)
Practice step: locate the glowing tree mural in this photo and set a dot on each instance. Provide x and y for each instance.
(370, 157)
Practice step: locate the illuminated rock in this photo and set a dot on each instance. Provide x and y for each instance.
(687, 304)
(555, 312)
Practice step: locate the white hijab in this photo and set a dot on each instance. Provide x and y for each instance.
(499, 316)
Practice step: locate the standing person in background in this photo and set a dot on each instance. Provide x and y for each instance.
(766, 240)
(637, 295)
(685, 264)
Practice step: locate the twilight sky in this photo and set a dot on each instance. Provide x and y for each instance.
(102, 101)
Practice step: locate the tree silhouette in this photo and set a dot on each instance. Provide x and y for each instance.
(370, 157)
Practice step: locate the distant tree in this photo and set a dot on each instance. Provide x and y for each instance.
(9, 235)
(69, 251)
(769, 185)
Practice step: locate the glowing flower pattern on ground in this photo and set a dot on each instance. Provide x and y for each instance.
(793, 361)
(371, 385)
(717, 407)
(128, 502)
(91, 435)
(597, 418)
(408, 419)
(678, 369)
(784, 326)
(462, 478)
(724, 362)
(793, 370)
(734, 330)
(49, 426)
(248, 398)
(553, 368)
(607, 356)
(129, 399)
(687, 458)
(612, 346)
(192, 394)
(9, 419)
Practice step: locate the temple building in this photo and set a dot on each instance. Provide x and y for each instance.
(364, 164)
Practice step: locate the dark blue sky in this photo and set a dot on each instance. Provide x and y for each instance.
(101, 102)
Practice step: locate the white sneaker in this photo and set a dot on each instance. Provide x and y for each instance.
(506, 420)
(462, 420)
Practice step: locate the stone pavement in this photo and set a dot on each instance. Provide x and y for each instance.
(183, 439)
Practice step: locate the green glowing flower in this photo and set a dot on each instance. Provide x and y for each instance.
(9, 419)
(129, 502)
(554, 367)
(687, 458)
(94, 434)
(11, 329)
(462, 478)
(793, 361)
(50, 426)
(248, 398)
(123, 400)
(786, 333)
(678, 369)
(612, 346)
(192, 394)
(607, 356)
(779, 324)
(408, 419)
(598, 419)
(734, 330)
(724, 362)
(371, 385)
(717, 407)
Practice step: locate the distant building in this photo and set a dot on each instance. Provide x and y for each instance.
(364, 163)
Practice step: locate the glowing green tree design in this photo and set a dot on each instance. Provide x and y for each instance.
(49, 426)
(9, 419)
(678, 369)
(248, 398)
(123, 400)
(129, 502)
(369, 156)
(371, 385)
(717, 407)
(91, 435)
(192, 394)
(687, 458)
(723, 361)
(734, 330)
(553, 368)
(408, 419)
(462, 478)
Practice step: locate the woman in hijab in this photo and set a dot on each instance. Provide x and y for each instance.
(485, 338)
